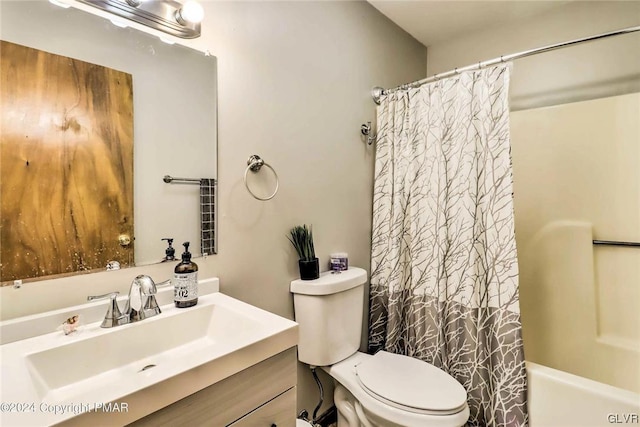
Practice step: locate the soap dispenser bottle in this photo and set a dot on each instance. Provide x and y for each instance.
(185, 281)
(170, 252)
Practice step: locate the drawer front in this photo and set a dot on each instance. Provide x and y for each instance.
(232, 398)
(279, 412)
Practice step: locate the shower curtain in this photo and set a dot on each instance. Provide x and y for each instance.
(444, 273)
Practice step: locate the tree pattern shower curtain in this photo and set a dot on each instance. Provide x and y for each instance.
(444, 272)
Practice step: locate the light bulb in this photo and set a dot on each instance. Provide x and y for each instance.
(166, 40)
(191, 11)
(60, 3)
(119, 22)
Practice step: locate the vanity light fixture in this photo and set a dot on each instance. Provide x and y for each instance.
(177, 18)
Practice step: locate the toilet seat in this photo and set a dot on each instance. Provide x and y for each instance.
(410, 384)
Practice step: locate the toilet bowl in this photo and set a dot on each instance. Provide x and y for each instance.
(381, 390)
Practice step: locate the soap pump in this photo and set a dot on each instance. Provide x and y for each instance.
(185, 281)
(170, 252)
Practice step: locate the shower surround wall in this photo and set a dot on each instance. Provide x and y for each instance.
(293, 87)
(598, 69)
(576, 174)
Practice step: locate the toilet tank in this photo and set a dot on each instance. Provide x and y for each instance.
(329, 314)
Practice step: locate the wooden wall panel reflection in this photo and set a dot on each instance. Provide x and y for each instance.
(66, 164)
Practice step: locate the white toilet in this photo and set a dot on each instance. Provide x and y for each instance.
(383, 390)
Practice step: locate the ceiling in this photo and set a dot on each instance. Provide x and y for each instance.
(430, 21)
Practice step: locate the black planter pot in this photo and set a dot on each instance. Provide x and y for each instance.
(309, 269)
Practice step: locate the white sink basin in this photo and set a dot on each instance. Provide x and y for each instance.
(74, 369)
(213, 340)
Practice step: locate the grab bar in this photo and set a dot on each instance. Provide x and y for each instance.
(617, 243)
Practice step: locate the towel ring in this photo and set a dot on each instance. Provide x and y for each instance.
(255, 163)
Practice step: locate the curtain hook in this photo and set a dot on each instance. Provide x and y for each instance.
(366, 130)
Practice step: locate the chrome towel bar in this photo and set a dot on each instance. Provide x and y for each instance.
(172, 179)
(617, 243)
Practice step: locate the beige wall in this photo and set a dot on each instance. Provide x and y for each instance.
(593, 70)
(293, 87)
(294, 83)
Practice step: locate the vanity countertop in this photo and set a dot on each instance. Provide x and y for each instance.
(117, 375)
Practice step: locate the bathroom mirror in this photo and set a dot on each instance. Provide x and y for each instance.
(174, 123)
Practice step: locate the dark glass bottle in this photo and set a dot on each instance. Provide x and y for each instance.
(170, 252)
(185, 281)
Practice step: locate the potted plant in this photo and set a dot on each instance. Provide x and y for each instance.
(302, 240)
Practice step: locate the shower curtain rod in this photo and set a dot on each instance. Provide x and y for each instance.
(377, 92)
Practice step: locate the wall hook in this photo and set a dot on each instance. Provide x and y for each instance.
(365, 129)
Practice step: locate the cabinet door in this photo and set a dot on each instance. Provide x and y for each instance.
(232, 398)
(278, 412)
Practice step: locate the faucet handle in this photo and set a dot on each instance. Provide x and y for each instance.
(114, 316)
(111, 295)
(163, 283)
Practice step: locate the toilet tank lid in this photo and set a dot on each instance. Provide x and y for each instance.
(329, 283)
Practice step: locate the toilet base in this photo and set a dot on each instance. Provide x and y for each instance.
(351, 413)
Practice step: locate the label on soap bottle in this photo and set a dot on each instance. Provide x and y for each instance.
(185, 286)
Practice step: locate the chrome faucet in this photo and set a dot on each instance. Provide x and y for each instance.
(141, 303)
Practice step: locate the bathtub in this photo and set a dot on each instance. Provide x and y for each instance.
(560, 399)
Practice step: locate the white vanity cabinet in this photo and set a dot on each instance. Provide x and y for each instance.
(261, 395)
(215, 364)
